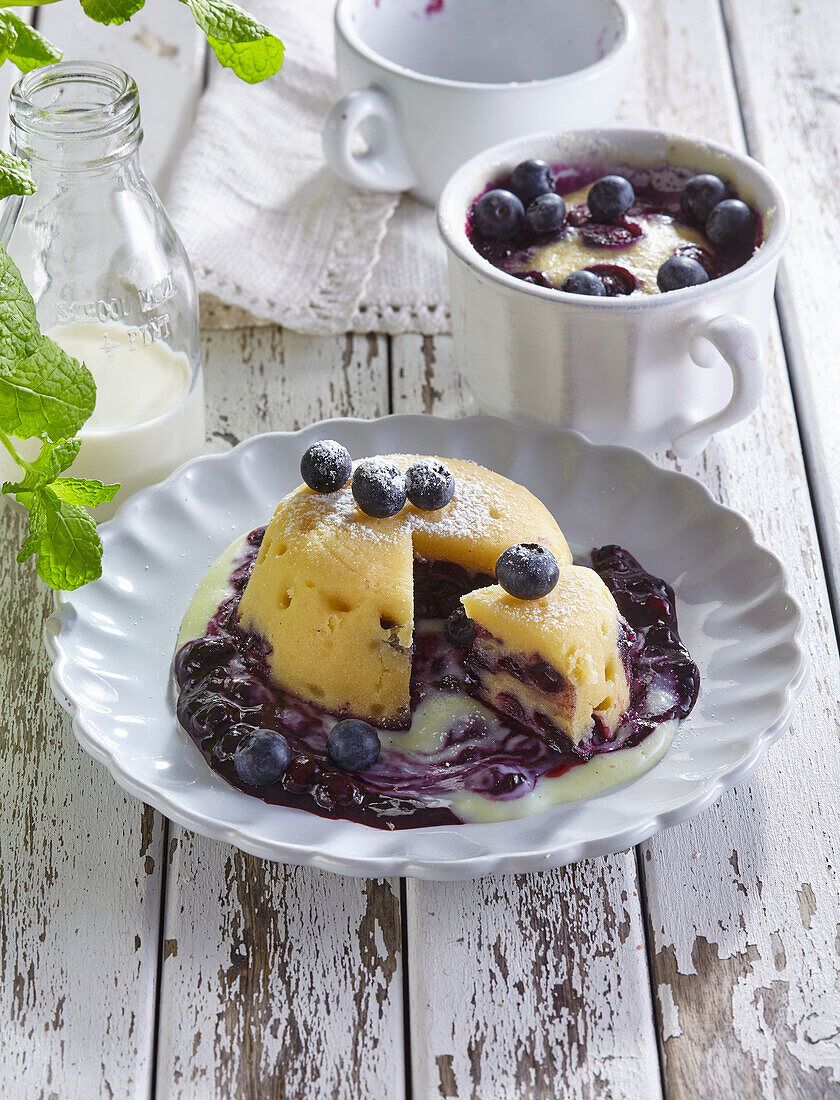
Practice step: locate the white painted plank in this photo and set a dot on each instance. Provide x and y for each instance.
(522, 985)
(162, 49)
(531, 985)
(743, 901)
(80, 874)
(786, 63)
(280, 982)
(747, 974)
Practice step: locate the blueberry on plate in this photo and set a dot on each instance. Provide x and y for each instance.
(429, 484)
(378, 488)
(546, 213)
(531, 178)
(261, 757)
(610, 198)
(583, 282)
(731, 226)
(700, 195)
(326, 466)
(195, 659)
(680, 271)
(498, 214)
(459, 628)
(353, 745)
(527, 571)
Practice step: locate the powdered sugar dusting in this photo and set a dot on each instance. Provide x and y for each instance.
(481, 504)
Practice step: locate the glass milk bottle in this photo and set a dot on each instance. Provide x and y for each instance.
(111, 280)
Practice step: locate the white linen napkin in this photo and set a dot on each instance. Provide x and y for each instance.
(267, 226)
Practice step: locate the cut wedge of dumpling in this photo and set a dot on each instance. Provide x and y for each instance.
(555, 663)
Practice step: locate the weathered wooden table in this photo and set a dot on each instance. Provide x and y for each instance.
(140, 960)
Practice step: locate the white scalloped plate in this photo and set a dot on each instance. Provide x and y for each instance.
(112, 642)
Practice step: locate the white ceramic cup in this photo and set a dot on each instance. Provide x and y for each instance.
(654, 372)
(430, 82)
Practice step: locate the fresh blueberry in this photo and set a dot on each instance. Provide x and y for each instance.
(378, 488)
(546, 213)
(610, 197)
(731, 226)
(195, 659)
(459, 628)
(326, 466)
(680, 271)
(583, 282)
(700, 196)
(527, 571)
(429, 484)
(353, 745)
(498, 215)
(531, 178)
(261, 757)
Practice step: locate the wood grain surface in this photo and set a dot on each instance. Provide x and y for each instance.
(80, 875)
(788, 76)
(743, 902)
(706, 963)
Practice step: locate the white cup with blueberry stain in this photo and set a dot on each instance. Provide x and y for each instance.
(428, 83)
(656, 360)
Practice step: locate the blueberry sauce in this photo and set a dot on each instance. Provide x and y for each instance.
(657, 193)
(225, 692)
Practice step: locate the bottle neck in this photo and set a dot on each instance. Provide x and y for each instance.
(75, 116)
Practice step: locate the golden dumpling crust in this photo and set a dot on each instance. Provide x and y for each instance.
(332, 589)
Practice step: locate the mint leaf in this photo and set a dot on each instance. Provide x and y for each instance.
(111, 11)
(19, 331)
(23, 45)
(47, 394)
(14, 176)
(81, 490)
(61, 531)
(8, 34)
(52, 460)
(64, 537)
(237, 39)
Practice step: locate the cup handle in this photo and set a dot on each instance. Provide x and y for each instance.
(737, 341)
(384, 167)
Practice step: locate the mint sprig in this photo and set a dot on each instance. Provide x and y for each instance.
(45, 394)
